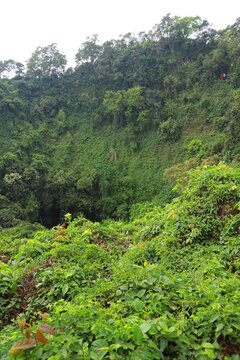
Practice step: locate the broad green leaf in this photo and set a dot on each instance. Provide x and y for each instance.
(99, 344)
(163, 326)
(141, 293)
(137, 304)
(210, 353)
(137, 335)
(38, 353)
(208, 345)
(237, 326)
(65, 353)
(145, 327)
(163, 344)
(123, 287)
(99, 349)
(64, 289)
(219, 327)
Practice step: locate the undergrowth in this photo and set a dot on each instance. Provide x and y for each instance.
(164, 286)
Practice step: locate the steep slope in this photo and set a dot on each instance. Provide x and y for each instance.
(98, 138)
(164, 286)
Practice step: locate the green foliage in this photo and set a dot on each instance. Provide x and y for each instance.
(46, 61)
(10, 68)
(170, 130)
(126, 106)
(9, 98)
(165, 285)
(89, 51)
(28, 343)
(97, 139)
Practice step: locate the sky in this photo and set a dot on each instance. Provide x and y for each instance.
(27, 24)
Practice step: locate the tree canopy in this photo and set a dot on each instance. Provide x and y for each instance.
(126, 113)
(10, 68)
(46, 61)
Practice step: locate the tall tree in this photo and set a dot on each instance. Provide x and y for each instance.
(46, 61)
(173, 32)
(10, 68)
(89, 51)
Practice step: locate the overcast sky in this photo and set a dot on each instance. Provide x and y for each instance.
(27, 24)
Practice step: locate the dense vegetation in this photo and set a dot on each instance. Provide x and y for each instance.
(71, 139)
(163, 286)
(158, 277)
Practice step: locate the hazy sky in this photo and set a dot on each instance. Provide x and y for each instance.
(27, 24)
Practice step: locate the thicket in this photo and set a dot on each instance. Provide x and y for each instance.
(163, 286)
(96, 139)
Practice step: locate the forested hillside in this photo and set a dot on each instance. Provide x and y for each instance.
(97, 138)
(99, 257)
